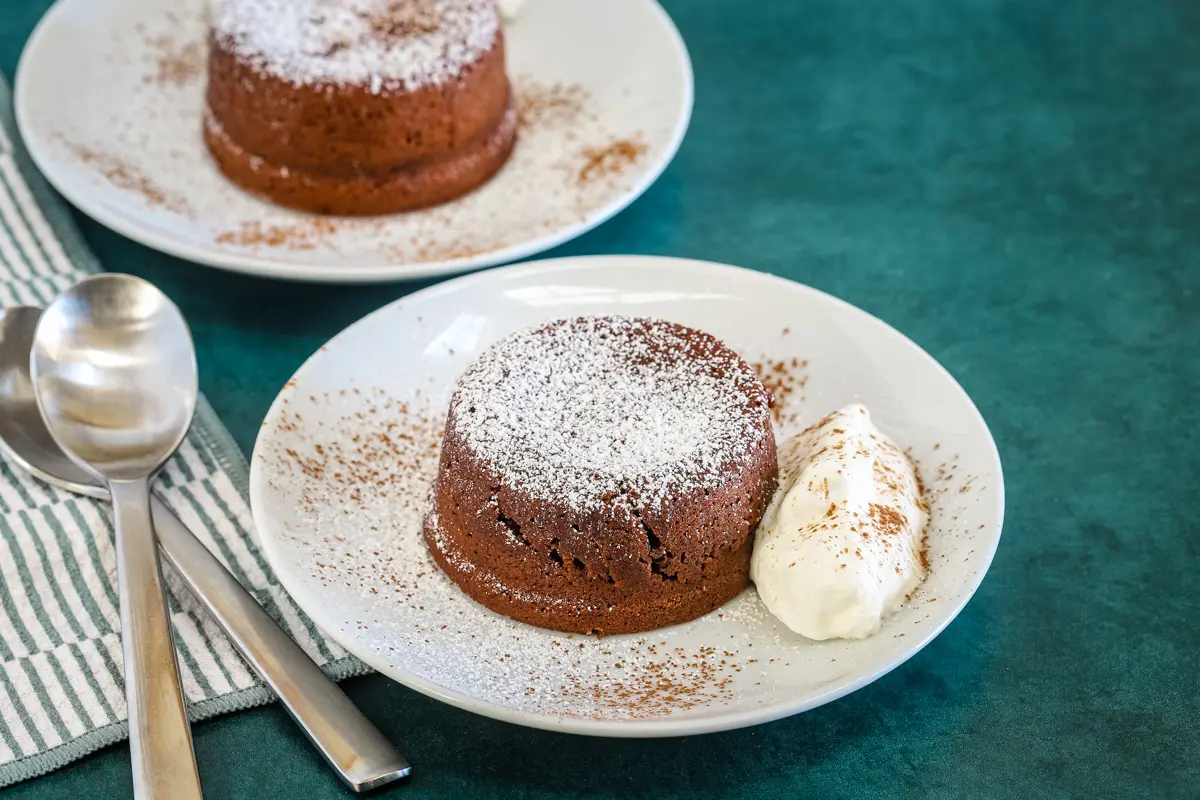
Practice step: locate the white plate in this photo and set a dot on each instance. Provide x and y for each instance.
(352, 555)
(109, 97)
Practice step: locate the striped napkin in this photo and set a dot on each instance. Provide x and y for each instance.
(61, 691)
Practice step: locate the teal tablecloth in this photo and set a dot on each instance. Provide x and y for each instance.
(1015, 185)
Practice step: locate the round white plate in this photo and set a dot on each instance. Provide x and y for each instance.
(110, 93)
(342, 468)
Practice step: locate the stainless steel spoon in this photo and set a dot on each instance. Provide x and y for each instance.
(350, 743)
(114, 373)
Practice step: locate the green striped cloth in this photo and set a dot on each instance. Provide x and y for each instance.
(61, 692)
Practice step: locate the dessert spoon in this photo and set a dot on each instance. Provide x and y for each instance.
(352, 745)
(114, 374)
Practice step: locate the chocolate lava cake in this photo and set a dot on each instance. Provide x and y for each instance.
(603, 475)
(358, 107)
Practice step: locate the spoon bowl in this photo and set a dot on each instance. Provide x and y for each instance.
(24, 436)
(114, 372)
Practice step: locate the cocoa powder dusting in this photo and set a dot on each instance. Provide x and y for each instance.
(656, 688)
(785, 380)
(306, 235)
(178, 66)
(544, 105)
(124, 175)
(886, 519)
(942, 496)
(424, 251)
(392, 442)
(610, 160)
(323, 232)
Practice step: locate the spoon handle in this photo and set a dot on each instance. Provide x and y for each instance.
(346, 738)
(164, 764)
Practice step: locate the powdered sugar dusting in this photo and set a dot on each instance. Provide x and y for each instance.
(605, 409)
(380, 44)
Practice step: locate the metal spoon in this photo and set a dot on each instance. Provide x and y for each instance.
(114, 372)
(352, 745)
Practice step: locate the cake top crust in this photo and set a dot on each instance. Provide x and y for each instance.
(382, 45)
(596, 412)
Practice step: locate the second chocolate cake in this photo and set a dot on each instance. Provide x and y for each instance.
(603, 475)
(358, 107)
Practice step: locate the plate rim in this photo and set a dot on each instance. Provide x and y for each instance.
(54, 170)
(655, 728)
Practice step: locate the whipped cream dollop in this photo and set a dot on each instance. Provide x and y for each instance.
(509, 9)
(841, 544)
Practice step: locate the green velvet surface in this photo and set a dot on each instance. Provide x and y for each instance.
(1013, 184)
